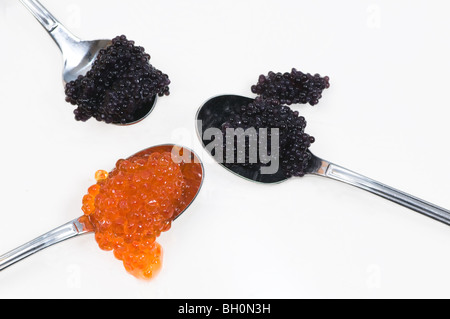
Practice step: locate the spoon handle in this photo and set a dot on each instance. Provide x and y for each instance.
(55, 29)
(341, 174)
(66, 231)
(47, 20)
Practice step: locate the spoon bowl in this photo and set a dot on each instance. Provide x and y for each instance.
(78, 55)
(216, 111)
(213, 114)
(79, 58)
(193, 173)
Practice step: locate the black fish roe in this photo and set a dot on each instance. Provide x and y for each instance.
(120, 83)
(294, 143)
(292, 88)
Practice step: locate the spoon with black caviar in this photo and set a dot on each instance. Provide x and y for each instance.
(79, 57)
(215, 112)
(193, 175)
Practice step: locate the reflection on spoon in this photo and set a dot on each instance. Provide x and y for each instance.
(217, 110)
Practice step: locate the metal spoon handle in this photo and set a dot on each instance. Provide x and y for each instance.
(341, 174)
(63, 37)
(47, 20)
(66, 231)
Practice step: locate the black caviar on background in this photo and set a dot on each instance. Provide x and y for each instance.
(270, 109)
(291, 88)
(119, 86)
(294, 156)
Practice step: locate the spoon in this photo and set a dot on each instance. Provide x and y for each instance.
(78, 227)
(216, 111)
(78, 55)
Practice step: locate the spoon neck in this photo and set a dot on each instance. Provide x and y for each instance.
(63, 37)
(45, 18)
(71, 229)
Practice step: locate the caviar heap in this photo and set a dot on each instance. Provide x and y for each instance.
(291, 88)
(130, 207)
(119, 85)
(294, 156)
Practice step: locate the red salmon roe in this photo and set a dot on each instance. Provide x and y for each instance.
(130, 207)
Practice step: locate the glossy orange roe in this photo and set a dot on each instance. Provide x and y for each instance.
(130, 207)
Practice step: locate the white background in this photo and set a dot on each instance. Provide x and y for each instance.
(385, 115)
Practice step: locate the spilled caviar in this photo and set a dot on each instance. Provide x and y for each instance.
(129, 207)
(120, 85)
(292, 88)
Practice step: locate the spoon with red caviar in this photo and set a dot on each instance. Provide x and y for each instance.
(229, 112)
(88, 69)
(129, 207)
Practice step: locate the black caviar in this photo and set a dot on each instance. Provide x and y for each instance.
(291, 88)
(119, 85)
(294, 156)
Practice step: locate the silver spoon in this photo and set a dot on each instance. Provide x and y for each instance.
(216, 111)
(76, 227)
(78, 55)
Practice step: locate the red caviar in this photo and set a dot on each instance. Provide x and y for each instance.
(130, 207)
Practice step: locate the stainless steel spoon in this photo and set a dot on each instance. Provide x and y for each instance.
(78, 55)
(216, 111)
(77, 227)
